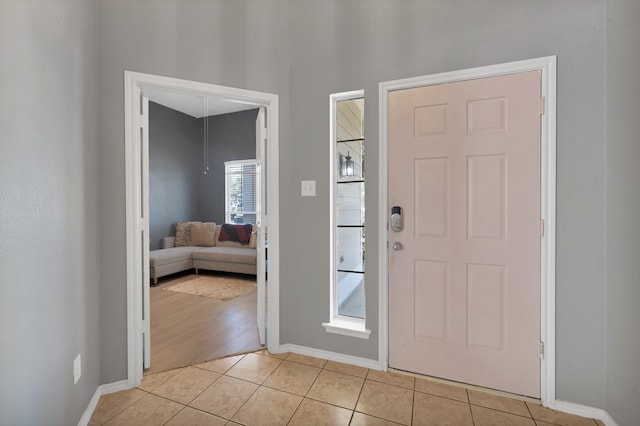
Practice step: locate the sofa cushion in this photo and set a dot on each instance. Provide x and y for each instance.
(183, 234)
(227, 254)
(203, 234)
(168, 242)
(170, 255)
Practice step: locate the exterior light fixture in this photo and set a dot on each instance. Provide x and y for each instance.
(347, 168)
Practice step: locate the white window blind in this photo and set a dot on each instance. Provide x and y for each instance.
(240, 191)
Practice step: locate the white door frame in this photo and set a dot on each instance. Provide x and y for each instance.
(134, 84)
(547, 67)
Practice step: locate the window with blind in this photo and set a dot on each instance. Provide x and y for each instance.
(240, 191)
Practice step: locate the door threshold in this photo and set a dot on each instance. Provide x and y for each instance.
(468, 386)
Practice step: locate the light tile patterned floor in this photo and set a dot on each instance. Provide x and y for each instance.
(289, 389)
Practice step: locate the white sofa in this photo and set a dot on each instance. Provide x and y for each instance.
(201, 250)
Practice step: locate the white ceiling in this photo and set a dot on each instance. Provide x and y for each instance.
(192, 104)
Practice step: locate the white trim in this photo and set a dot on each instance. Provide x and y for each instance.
(383, 227)
(261, 218)
(101, 390)
(565, 407)
(353, 328)
(584, 411)
(347, 326)
(547, 66)
(133, 227)
(133, 82)
(328, 355)
(548, 244)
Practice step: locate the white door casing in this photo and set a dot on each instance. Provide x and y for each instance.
(136, 191)
(547, 68)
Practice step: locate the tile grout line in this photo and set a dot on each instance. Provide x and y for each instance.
(255, 391)
(473, 421)
(502, 411)
(355, 406)
(530, 413)
(305, 394)
(278, 390)
(171, 418)
(353, 411)
(121, 411)
(413, 401)
(296, 410)
(440, 396)
(243, 404)
(323, 368)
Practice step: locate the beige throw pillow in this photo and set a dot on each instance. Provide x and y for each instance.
(203, 234)
(183, 234)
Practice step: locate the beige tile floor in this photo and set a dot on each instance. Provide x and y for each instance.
(290, 389)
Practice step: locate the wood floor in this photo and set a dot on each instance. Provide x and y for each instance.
(187, 329)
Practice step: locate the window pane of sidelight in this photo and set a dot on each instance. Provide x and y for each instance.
(351, 294)
(350, 249)
(350, 119)
(350, 204)
(352, 151)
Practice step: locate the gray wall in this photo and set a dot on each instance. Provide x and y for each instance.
(178, 188)
(49, 216)
(622, 292)
(305, 50)
(231, 137)
(338, 46)
(233, 43)
(175, 167)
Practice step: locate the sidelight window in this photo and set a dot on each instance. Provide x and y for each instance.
(347, 301)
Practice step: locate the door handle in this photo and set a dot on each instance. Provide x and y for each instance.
(397, 246)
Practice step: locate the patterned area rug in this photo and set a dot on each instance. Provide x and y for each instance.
(221, 288)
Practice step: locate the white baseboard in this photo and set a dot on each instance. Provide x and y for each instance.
(565, 407)
(101, 390)
(331, 356)
(584, 411)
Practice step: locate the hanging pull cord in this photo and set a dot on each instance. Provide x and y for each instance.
(205, 134)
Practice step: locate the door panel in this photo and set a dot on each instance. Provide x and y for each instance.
(144, 203)
(464, 290)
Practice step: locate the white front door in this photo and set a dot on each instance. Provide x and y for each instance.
(464, 273)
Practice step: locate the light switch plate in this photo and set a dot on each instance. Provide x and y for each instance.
(308, 188)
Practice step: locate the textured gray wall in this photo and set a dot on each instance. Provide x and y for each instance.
(175, 167)
(231, 137)
(338, 46)
(233, 43)
(49, 216)
(622, 293)
(305, 50)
